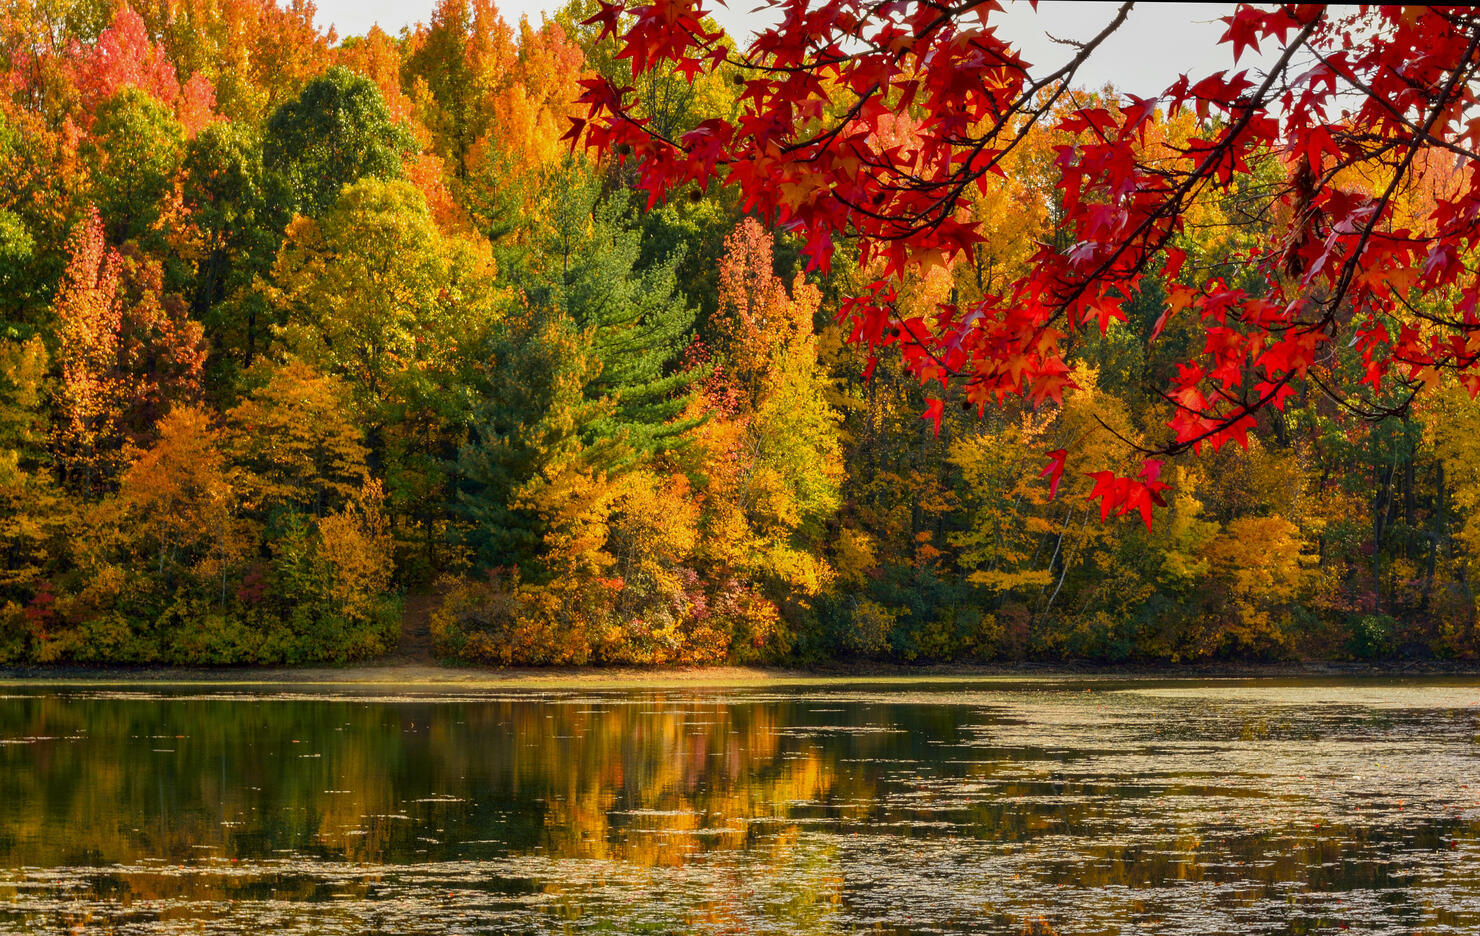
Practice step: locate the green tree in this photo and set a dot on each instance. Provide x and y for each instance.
(240, 212)
(531, 442)
(336, 132)
(131, 157)
(586, 264)
(373, 293)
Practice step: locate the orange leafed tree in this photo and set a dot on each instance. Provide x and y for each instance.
(89, 317)
(756, 314)
(127, 353)
(494, 98)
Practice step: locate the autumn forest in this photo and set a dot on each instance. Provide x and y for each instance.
(299, 330)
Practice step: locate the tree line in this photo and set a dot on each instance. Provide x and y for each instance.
(294, 326)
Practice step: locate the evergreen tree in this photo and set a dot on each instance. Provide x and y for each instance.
(532, 435)
(635, 319)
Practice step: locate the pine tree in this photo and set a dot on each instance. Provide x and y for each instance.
(532, 442)
(636, 321)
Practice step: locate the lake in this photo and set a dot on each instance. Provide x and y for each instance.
(1056, 806)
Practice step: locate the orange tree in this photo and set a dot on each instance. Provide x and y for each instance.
(884, 121)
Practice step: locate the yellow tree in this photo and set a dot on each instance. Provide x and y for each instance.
(1452, 426)
(1001, 546)
(295, 443)
(373, 293)
(354, 556)
(775, 462)
(662, 613)
(89, 317)
(33, 514)
(176, 512)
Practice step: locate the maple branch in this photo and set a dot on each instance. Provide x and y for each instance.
(1127, 442)
(1197, 175)
(1226, 421)
(1368, 414)
(1061, 78)
(1393, 112)
(1349, 268)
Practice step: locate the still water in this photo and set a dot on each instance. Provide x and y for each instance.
(1099, 807)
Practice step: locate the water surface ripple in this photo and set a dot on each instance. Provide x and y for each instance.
(1089, 807)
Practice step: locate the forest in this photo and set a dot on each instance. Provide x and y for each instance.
(295, 328)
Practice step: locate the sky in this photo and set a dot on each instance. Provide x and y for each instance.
(1158, 42)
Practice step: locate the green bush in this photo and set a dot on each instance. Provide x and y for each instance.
(1371, 636)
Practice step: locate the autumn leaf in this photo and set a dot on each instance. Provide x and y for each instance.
(1054, 472)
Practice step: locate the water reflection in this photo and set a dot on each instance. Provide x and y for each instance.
(1093, 809)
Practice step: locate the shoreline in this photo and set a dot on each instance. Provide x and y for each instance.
(433, 676)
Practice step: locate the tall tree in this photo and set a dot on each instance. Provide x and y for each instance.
(239, 212)
(128, 351)
(586, 264)
(42, 192)
(336, 132)
(89, 316)
(453, 61)
(32, 512)
(776, 463)
(372, 292)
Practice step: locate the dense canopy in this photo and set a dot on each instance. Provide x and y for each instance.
(309, 340)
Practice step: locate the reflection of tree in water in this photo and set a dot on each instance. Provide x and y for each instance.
(680, 813)
(287, 785)
(121, 781)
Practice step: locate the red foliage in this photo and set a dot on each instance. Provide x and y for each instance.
(125, 56)
(1054, 472)
(1391, 91)
(129, 351)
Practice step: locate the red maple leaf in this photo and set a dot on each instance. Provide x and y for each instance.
(1054, 472)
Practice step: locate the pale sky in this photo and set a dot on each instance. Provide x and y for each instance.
(1158, 42)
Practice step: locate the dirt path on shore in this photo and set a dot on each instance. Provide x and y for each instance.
(415, 648)
(407, 673)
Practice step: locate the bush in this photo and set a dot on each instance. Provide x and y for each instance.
(502, 621)
(1371, 636)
